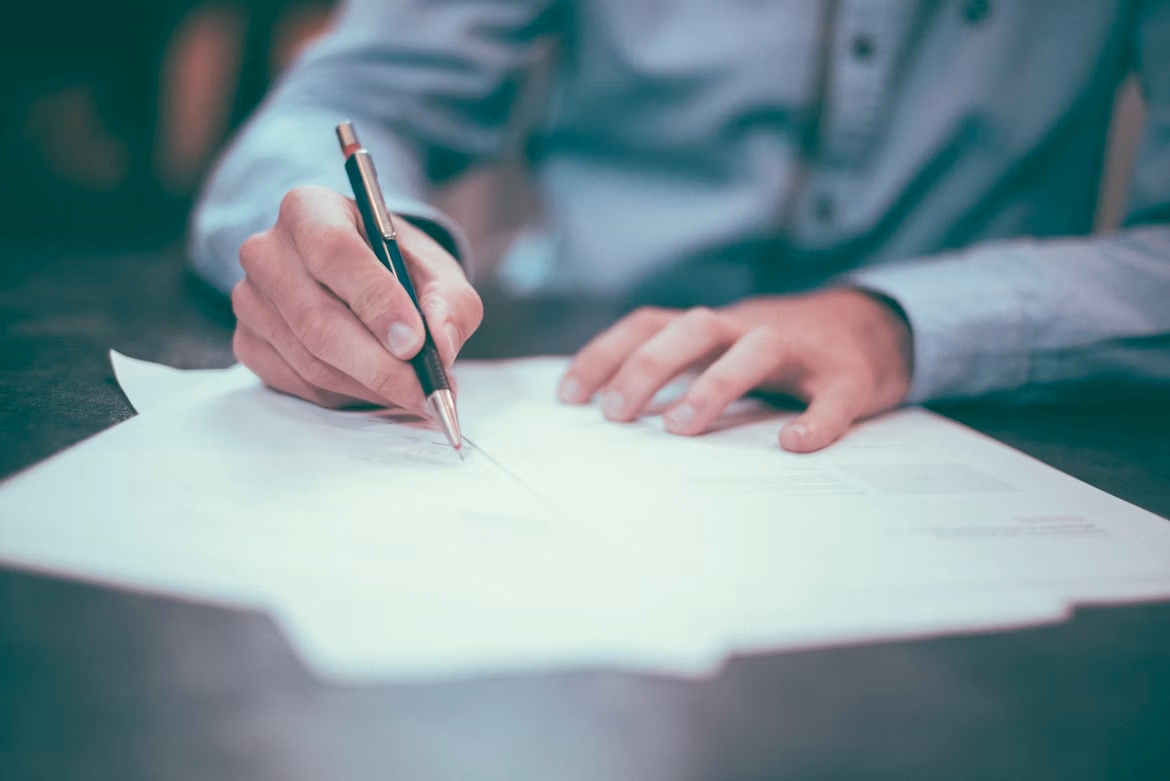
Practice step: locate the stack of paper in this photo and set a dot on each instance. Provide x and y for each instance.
(564, 539)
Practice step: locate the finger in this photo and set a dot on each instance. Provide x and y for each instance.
(597, 362)
(451, 306)
(830, 412)
(323, 324)
(759, 355)
(687, 340)
(267, 364)
(325, 231)
(258, 314)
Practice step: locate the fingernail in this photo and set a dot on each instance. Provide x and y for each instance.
(570, 389)
(452, 340)
(402, 340)
(798, 430)
(613, 404)
(681, 416)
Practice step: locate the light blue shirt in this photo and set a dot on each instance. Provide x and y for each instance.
(946, 154)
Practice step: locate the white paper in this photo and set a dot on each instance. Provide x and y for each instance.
(568, 540)
(343, 525)
(149, 385)
(912, 526)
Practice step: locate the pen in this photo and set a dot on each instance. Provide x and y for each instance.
(384, 241)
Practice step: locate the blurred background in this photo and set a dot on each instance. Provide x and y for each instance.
(112, 113)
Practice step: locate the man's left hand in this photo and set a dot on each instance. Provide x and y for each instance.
(846, 353)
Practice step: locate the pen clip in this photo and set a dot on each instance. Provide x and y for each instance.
(369, 179)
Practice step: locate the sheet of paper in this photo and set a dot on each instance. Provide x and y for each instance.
(348, 645)
(150, 385)
(568, 540)
(333, 632)
(902, 519)
(909, 503)
(351, 521)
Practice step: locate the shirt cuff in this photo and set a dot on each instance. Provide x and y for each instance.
(967, 323)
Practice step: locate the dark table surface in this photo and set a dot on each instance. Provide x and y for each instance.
(97, 683)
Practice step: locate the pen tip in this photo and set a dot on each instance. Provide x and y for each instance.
(442, 405)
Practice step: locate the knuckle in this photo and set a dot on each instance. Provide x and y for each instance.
(387, 382)
(315, 327)
(242, 347)
(766, 339)
(718, 385)
(643, 363)
(646, 316)
(327, 248)
(702, 318)
(254, 252)
(315, 372)
(377, 300)
(432, 301)
(434, 312)
(294, 202)
(807, 385)
(470, 305)
(239, 301)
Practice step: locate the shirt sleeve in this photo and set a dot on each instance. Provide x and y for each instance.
(1006, 315)
(429, 86)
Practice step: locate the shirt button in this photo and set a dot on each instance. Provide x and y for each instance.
(862, 47)
(824, 209)
(975, 11)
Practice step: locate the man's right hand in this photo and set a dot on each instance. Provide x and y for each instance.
(318, 316)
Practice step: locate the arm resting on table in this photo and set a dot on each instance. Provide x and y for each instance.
(1036, 313)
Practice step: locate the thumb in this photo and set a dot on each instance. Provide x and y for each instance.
(830, 412)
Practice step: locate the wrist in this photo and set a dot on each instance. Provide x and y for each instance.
(890, 328)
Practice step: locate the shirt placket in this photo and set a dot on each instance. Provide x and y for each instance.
(865, 41)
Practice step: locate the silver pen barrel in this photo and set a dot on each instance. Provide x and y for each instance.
(442, 404)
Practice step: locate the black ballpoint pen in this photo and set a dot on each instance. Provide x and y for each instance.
(363, 178)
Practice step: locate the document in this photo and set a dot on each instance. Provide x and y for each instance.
(151, 385)
(564, 540)
(908, 506)
(344, 526)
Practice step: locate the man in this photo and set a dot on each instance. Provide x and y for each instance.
(903, 186)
